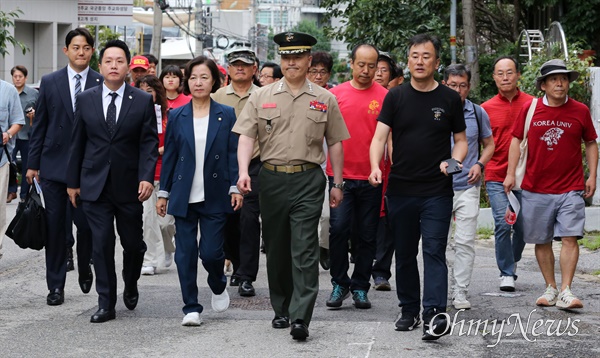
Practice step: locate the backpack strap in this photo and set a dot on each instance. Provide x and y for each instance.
(478, 118)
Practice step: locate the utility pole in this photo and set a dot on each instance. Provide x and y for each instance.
(453, 31)
(157, 34)
(254, 39)
(471, 56)
(199, 28)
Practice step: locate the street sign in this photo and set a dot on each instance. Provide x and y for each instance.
(105, 12)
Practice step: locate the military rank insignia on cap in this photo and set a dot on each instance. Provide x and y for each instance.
(294, 42)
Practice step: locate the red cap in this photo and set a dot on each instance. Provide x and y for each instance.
(222, 69)
(139, 61)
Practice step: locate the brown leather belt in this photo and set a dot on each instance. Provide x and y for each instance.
(290, 169)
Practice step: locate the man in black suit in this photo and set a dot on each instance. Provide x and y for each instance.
(48, 153)
(111, 168)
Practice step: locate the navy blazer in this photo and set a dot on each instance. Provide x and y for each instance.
(220, 159)
(128, 156)
(50, 135)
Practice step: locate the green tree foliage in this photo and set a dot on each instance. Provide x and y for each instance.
(323, 41)
(387, 24)
(580, 22)
(271, 45)
(311, 28)
(6, 22)
(579, 18)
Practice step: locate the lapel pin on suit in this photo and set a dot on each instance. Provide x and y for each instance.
(97, 80)
(130, 97)
(219, 119)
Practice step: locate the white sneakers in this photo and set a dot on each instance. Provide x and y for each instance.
(548, 298)
(507, 283)
(460, 301)
(192, 319)
(567, 300)
(168, 259)
(148, 270)
(220, 303)
(563, 300)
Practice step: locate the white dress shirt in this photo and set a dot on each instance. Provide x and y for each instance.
(72, 80)
(106, 99)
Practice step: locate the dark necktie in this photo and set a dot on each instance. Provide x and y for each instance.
(111, 114)
(77, 87)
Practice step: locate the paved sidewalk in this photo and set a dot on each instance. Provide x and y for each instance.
(30, 328)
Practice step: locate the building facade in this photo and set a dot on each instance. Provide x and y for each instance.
(42, 26)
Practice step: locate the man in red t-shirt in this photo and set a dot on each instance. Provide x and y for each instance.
(360, 100)
(503, 110)
(553, 193)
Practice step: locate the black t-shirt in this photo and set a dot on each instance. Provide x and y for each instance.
(422, 124)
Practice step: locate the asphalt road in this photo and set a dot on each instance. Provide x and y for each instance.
(30, 328)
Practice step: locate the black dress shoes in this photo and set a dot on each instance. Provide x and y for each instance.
(234, 281)
(299, 330)
(102, 315)
(55, 297)
(130, 297)
(86, 278)
(246, 289)
(435, 328)
(70, 265)
(280, 322)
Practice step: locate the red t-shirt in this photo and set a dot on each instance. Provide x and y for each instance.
(181, 100)
(554, 163)
(503, 114)
(360, 109)
(161, 143)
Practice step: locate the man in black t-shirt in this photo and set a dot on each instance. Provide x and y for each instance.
(421, 115)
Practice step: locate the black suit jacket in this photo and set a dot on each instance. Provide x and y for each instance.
(50, 136)
(128, 156)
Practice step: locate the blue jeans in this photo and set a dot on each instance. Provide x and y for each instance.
(508, 251)
(411, 218)
(361, 200)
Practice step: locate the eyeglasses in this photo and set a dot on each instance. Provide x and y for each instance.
(318, 72)
(502, 74)
(462, 86)
(265, 76)
(382, 70)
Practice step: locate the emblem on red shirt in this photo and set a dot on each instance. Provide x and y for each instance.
(318, 106)
(374, 107)
(552, 136)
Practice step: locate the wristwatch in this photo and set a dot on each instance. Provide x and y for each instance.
(9, 135)
(339, 186)
(481, 165)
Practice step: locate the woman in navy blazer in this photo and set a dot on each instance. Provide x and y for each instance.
(198, 177)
